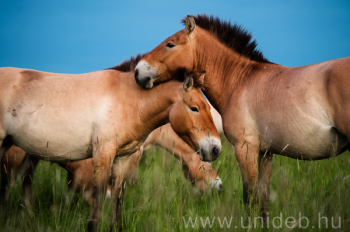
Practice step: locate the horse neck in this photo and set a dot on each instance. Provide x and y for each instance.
(154, 105)
(169, 140)
(226, 70)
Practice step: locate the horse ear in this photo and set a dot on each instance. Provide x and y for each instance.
(201, 78)
(190, 24)
(188, 84)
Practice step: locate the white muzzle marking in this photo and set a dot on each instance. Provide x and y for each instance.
(145, 71)
(216, 184)
(108, 194)
(206, 148)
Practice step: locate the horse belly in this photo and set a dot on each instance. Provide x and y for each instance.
(320, 143)
(59, 139)
(55, 149)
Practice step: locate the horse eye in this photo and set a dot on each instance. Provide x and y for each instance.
(194, 109)
(170, 45)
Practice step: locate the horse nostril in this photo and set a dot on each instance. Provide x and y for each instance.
(215, 151)
(146, 81)
(136, 73)
(201, 155)
(221, 188)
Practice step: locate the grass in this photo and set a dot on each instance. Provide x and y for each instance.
(162, 198)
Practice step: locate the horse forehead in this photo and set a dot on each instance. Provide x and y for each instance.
(195, 97)
(179, 37)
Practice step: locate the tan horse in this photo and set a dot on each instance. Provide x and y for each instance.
(81, 173)
(266, 108)
(104, 115)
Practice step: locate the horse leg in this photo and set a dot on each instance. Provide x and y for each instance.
(27, 170)
(132, 175)
(103, 159)
(5, 172)
(120, 171)
(5, 144)
(247, 157)
(265, 167)
(256, 169)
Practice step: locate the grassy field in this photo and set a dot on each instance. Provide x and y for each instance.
(164, 201)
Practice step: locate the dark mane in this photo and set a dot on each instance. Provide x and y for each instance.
(233, 36)
(129, 65)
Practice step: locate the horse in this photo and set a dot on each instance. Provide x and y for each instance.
(201, 174)
(80, 175)
(104, 115)
(266, 108)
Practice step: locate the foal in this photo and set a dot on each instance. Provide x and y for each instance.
(299, 112)
(104, 115)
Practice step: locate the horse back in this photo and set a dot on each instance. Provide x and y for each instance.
(13, 79)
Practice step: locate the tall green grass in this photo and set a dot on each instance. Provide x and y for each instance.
(162, 197)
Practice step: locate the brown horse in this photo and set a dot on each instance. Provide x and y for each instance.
(266, 108)
(201, 174)
(104, 115)
(81, 173)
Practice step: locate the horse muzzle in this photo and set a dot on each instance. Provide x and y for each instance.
(210, 149)
(144, 75)
(216, 184)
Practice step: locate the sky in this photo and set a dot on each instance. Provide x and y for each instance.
(71, 36)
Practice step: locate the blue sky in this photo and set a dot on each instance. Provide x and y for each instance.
(84, 36)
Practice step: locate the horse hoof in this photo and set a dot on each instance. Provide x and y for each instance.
(92, 226)
(115, 228)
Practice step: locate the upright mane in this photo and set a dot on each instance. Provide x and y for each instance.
(233, 36)
(128, 65)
